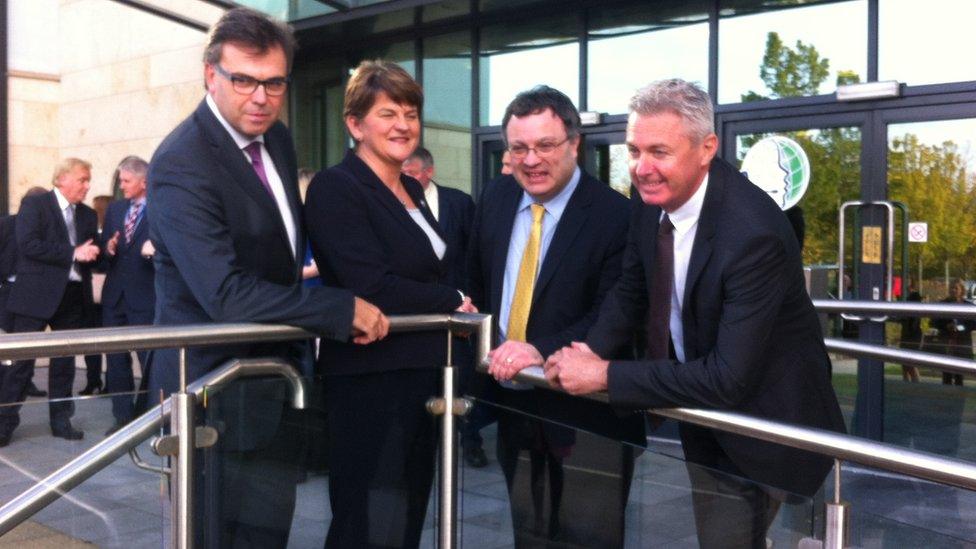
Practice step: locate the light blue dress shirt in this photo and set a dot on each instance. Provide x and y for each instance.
(520, 236)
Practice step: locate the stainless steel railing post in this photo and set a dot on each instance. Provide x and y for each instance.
(182, 425)
(447, 503)
(838, 516)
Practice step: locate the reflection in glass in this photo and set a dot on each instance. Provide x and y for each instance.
(920, 46)
(791, 51)
(401, 53)
(447, 107)
(516, 58)
(632, 46)
(317, 94)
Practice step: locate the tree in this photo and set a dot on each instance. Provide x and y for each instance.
(790, 72)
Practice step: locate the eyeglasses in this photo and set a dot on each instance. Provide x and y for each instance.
(545, 148)
(246, 85)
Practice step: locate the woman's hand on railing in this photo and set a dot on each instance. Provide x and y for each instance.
(512, 357)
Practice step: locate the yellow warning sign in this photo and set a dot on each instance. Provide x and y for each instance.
(871, 245)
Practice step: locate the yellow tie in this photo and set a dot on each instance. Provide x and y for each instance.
(518, 316)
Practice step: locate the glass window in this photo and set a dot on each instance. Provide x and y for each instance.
(301, 9)
(316, 97)
(632, 46)
(517, 57)
(920, 46)
(790, 50)
(447, 107)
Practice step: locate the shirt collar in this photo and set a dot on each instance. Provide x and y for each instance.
(62, 201)
(685, 217)
(239, 138)
(557, 204)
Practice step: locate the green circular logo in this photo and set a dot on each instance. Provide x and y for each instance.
(779, 166)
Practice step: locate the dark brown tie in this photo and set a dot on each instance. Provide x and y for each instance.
(659, 312)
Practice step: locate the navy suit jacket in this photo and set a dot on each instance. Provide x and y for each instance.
(581, 265)
(363, 239)
(751, 336)
(129, 276)
(45, 255)
(455, 211)
(222, 255)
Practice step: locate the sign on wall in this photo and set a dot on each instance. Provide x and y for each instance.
(779, 166)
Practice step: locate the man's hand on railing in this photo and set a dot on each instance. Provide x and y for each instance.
(368, 323)
(512, 357)
(577, 370)
(466, 306)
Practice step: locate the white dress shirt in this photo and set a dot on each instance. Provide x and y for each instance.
(685, 221)
(430, 195)
(74, 274)
(274, 180)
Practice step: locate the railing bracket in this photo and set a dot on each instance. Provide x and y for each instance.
(168, 445)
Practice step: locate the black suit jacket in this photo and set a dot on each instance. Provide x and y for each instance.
(129, 276)
(751, 336)
(582, 263)
(222, 255)
(363, 239)
(8, 247)
(455, 211)
(45, 255)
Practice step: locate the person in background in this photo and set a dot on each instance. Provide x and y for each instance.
(372, 232)
(93, 314)
(56, 249)
(8, 274)
(128, 296)
(955, 334)
(911, 333)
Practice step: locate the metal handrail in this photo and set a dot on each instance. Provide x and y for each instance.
(108, 340)
(901, 356)
(897, 308)
(838, 446)
(134, 433)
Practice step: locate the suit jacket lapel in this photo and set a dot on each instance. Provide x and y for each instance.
(701, 250)
(59, 217)
(502, 239)
(570, 224)
(232, 159)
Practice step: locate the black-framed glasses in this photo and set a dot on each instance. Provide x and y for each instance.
(246, 85)
(545, 148)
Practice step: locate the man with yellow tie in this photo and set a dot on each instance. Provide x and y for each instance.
(547, 244)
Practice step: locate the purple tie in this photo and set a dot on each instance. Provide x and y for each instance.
(254, 151)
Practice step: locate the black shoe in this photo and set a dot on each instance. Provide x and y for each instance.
(5, 439)
(67, 432)
(33, 391)
(91, 389)
(475, 457)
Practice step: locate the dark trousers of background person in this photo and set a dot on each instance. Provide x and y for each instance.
(589, 479)
(472, 384)
(118, 374)
(61, 373)
(382, 446)
(93, 363)
(731, 512)
(6, 317)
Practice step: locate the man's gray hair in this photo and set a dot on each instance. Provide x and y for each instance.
(683, 98)
(134, 165)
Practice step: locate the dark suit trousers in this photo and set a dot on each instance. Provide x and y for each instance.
(382, 446)
(6, 318)
(588, 479)
(61, 373)
(93, 363)
(730, 510)
(118, 375)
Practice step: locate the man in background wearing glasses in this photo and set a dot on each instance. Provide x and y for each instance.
(547, 243)
(226, 223)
